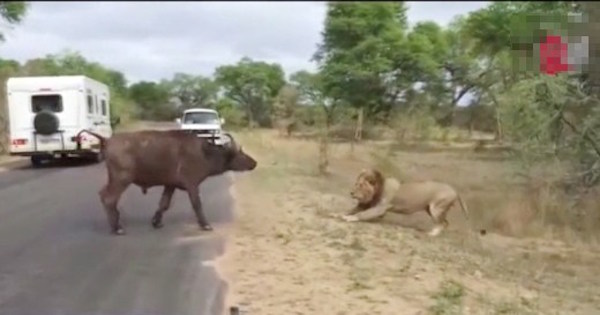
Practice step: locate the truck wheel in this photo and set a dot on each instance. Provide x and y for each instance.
(36, 160)
(98, 157)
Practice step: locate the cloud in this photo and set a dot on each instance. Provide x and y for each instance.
(154, 40)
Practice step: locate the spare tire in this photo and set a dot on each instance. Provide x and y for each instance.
(45, 122)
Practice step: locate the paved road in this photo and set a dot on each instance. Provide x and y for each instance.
(57, 257)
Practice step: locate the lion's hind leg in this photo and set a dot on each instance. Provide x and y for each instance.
(438, 211)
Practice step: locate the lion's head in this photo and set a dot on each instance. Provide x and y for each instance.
(368, 187)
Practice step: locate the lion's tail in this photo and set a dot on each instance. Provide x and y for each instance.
(463, 206)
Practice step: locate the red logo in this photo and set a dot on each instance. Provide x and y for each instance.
(553, 55)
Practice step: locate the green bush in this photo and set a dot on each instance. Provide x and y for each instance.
(233, 115)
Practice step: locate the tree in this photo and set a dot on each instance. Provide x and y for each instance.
(311, 93)
(230, 111)
(503, 36)
(39, 66)
(460, 64)
(190, 91)
(117, 81)
(427, 50)
(310, 89)
(517, 26)
(12, 12)
(544, 116)
(592, 30)
(286, 102)
(152, 99)
(253, 85)
(361, 44)
(8, 68)
(450, 68)
(285, 108)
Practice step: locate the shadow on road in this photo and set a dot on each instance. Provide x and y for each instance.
(182, 232)
(25, 164)
(22, 172)
(65, 162)
(215, 194)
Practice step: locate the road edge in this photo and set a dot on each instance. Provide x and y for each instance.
(224, 263)
(10, 162)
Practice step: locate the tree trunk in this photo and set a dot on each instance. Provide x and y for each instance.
(498, 133)
(359, 125)
(4, 139)
(250, 115)
(592, 9)
(324, 142)
(471, 127)
(323, 150)
(357, 130)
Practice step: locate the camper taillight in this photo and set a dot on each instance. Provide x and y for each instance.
(19, 141)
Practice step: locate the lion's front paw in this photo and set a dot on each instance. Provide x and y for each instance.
(350, 218)
(336, 215)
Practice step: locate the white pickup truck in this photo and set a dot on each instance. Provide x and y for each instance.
(204, 122)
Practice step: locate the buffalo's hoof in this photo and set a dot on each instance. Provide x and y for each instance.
(119, 231)
(157, 224)
(206, 227)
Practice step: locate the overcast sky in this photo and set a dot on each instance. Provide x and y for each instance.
(153, 40)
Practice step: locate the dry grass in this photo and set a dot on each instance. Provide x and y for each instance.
(289, 253)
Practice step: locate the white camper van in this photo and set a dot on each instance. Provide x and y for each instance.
(46, 113)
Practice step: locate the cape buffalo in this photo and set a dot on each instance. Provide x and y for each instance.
(174, 159)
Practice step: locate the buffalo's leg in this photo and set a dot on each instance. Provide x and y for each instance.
(110, 195)
(163, 206)
(194, 195)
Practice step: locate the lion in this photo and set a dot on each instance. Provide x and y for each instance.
(376, 195)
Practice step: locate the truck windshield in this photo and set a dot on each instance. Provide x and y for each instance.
(200, 118)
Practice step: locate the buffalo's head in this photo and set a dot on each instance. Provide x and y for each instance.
(238, 160)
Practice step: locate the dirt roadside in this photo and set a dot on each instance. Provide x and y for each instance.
(287, 254)
(11, 162)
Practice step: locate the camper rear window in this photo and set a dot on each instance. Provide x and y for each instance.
(51, 102)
